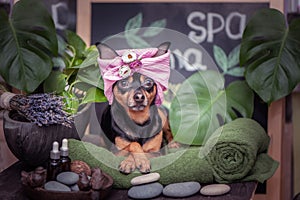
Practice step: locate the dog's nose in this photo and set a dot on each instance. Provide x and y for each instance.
(138, 97)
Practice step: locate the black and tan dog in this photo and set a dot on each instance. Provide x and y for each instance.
(133, 122)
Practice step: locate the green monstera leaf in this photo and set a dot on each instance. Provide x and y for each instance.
(27, 40)
(202, 104)
(271, 53)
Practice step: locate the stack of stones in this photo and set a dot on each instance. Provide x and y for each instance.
(66, 182)
(147, 187)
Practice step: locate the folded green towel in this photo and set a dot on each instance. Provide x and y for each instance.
(196, 163)
(183, 165)
(237, 151)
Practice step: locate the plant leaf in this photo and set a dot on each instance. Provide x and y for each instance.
(237, 71)
(55, 82)
(136, 42)
(26, 40)
(71, 102)
(94, 95)
(233, 57)
(155, 28)
(220, 57)
(239, 98)
(76, 42)
(134, 24)
(202, 104)
(91, 54)
(90, 75)
(271, 54)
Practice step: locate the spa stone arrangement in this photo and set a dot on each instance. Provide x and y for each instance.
(146, 187)
(64, 175)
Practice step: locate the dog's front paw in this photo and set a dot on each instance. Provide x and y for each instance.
(174, 144)
(127, 166)
(142, 163)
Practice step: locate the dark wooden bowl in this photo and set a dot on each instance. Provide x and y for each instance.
(30, 143)
(40, 193)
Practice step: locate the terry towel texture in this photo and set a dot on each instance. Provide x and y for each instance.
(239, 152)
(236, 152)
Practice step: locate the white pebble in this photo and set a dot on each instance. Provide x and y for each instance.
(215, 189)
(147, 178)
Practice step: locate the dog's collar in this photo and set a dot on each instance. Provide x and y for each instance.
(142, 61)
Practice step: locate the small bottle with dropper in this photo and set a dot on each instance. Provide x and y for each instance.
(54, 165)
(64, 156)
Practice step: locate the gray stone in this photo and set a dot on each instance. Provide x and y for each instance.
(74, 187)
(67, 178)
(146, 191)
(56, 186)
(147, 178)
(183, 189)
(215, 189)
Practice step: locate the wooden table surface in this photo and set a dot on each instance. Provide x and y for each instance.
(11, 188)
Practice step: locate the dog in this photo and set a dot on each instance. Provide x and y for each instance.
(132, 121)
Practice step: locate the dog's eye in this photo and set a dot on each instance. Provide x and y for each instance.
(148, 83)
(124, 83)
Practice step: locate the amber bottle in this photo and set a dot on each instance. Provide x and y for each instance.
(54, 164)
(64, 156)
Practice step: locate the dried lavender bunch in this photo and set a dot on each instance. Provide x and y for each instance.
(42, 109)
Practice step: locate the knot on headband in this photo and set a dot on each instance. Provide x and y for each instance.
(147, 62)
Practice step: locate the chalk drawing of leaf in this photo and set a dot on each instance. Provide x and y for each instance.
(220, 58)
(233, 57)
(134, 23)
(237, 71)
(155, 28)
(136, 42)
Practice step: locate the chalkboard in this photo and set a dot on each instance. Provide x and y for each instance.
(213, 27)
(216, 28)
(207, 24)
(63, 13)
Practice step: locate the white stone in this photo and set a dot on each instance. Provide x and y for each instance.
(215, 189)
(147, 178)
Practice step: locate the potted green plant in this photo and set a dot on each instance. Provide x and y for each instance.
(36, 60)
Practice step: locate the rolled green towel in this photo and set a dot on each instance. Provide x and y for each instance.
(237, 153)
(183, 165)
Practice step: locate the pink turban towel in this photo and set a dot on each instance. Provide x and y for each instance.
(143, 62)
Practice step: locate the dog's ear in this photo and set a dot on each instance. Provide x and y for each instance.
(105, 52)
(162, 48)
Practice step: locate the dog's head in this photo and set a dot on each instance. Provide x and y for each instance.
(136, 92)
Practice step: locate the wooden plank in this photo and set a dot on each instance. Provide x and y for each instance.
(276, 119)
(260, 197)
(296, 139)
(83, 27)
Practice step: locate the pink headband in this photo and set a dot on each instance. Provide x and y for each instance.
(136, 60)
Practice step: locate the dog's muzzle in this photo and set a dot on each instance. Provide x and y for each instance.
(139, 101)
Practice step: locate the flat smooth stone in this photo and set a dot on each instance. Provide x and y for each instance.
(215, 189)
(74, 187)
(183, 189)
(147, 178)
(67, 178)
(56, 186)
(146, 191)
